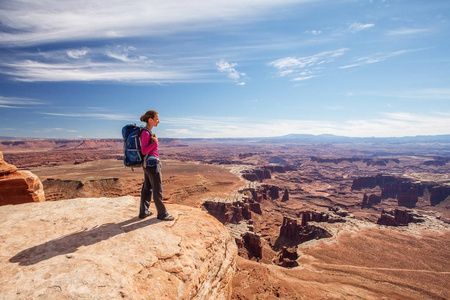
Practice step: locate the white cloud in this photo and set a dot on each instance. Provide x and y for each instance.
(88, 70)
(307, 65)
(229, 68)
(77, 53)
(16, 102)
(406, 31)
(314, 32)
(102, 116)
(356, 27)
(302, 78)
(46, 21)
(106, 63)
(127, 54)
(378, 57)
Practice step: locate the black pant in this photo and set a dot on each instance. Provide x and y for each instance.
(152, 186)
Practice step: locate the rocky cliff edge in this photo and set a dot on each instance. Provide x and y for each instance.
(18, 187)
(98, 249)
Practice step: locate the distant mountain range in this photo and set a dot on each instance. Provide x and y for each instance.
(345, 139)
(321, 138)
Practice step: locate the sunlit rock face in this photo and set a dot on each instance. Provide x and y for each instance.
(18, 187)
(97, 248)
(406, 191)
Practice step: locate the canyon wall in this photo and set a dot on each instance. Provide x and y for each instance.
(405, 190)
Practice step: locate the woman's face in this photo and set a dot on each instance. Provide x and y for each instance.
(154, 122)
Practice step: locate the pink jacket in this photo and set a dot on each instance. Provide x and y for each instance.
(147, 145)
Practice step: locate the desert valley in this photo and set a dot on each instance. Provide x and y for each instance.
(311, 217)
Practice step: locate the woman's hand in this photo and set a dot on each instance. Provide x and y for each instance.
(154, 138)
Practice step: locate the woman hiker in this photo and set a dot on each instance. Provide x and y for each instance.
(152, 171)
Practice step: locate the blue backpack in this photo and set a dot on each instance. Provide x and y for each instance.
(132, 145)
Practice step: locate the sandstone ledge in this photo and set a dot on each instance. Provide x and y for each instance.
(98, 249)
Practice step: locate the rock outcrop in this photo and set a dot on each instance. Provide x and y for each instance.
(252, 244)
(398, 217)
(285, 195)
(265, 172)
(333, 215)
(233, 211)
(99, 249)
(404, 190)
(17, 187)
(292, 233)
(287, 257)
(369, 201)
(257, 174)
(229, 211)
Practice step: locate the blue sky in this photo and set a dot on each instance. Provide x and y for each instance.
(232, 68)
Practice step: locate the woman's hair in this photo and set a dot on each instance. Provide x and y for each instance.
(150, 114)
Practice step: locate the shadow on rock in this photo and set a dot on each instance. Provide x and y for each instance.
(71, 243)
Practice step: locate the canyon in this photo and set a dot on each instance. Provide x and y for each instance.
(310, 219)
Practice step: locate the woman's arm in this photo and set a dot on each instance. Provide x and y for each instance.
(147, 144)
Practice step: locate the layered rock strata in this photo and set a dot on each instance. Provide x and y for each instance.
(17, 187)
(292, 233)
(404, 190)
(252, 243)
(398, 217)
(98, 249)
(265, 172)
(233, 211)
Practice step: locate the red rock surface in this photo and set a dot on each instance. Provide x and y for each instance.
(18, 187)
(98, 249)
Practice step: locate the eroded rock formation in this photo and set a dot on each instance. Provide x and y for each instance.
(398, 217)
(292, 233)
(17, 187)
(404, 190)
(252, 244)
(285, 195)
(265, 172)
(233, 211)
(369, 201)
(230, 211)
(257, 174)
(287, 257)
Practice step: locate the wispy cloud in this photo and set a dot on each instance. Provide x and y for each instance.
(229, 68)
(378, 57)
(46, 21)
(406, 31)
(15, 102)
(101, 116)
(356, 27)
(306, 67)
(127, 54)
(119, 63)
(314, 32)
(77, 53)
